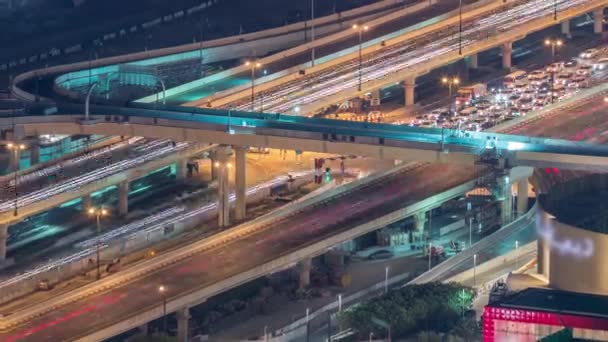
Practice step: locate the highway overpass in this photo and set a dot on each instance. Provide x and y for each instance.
(382, 141)
(413, 53)
(119, 174)
(246, 251)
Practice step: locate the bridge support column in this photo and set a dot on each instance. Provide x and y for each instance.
(13, 160)
(376, 97)
(123, 198)
(419, 222)
(304, 268)
(543, 258)
(409, 86)
(183, 316)
(566, 28)
(473, 61)
(87, 202)
(223, 166)
(240, 209)
(214, 169)
(34, 155)
(507, 49)
(598, 21)
(3, 238)
(143, 329)
(181, 168)
(506, 200)
(522, 196)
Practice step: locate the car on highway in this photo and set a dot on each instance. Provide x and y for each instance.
(601, 64)
(510, 79)
(554, 67)
(589, 54)
(578, 82)
(584, 70)
(382, 254)
(537, 76)
(563, 78)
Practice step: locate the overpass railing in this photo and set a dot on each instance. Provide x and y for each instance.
(441, 270)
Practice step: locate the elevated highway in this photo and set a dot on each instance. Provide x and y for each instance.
(413, 53)
(117, 174)
(259, 247)
(380, 141)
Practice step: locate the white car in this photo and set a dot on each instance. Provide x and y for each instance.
(589, 54)
(601, 64)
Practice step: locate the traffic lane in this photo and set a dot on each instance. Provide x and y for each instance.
(377, 31)
(209, 267)
(399, 57)
(70, 171)
(578, 122)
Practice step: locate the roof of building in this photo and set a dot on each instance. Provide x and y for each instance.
(550, 300)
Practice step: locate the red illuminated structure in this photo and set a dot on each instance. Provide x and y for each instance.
(533, 314)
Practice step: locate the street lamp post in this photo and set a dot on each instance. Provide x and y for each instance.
(386, 279)
(516, 254)
(253, 65)
(474, 270)
(460, 27)
(16, 149)
(450, 82)
(361, 29)
(98, 213)
(554, 9)
(430, 253)
(553, 43)
(163, 292)
(312, 32)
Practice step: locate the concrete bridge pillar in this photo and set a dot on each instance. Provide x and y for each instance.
(13, 160)
(182, 316)
(566, 28)
(181, 168)
(223, 166)
(143, 329)
(409, 86)
(240, 209)
(34, 155)
(543, 257)
(123, 198)
(376, 97)
(304, 268)
(522, 196)
(3, 238)
(213, 160)
(419, 222)
(87, 202)
(507, 49)
(506, 200)
(598, 21)
(473, 61)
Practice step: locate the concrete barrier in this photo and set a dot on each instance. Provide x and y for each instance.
(438, 272)
(522, 253)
